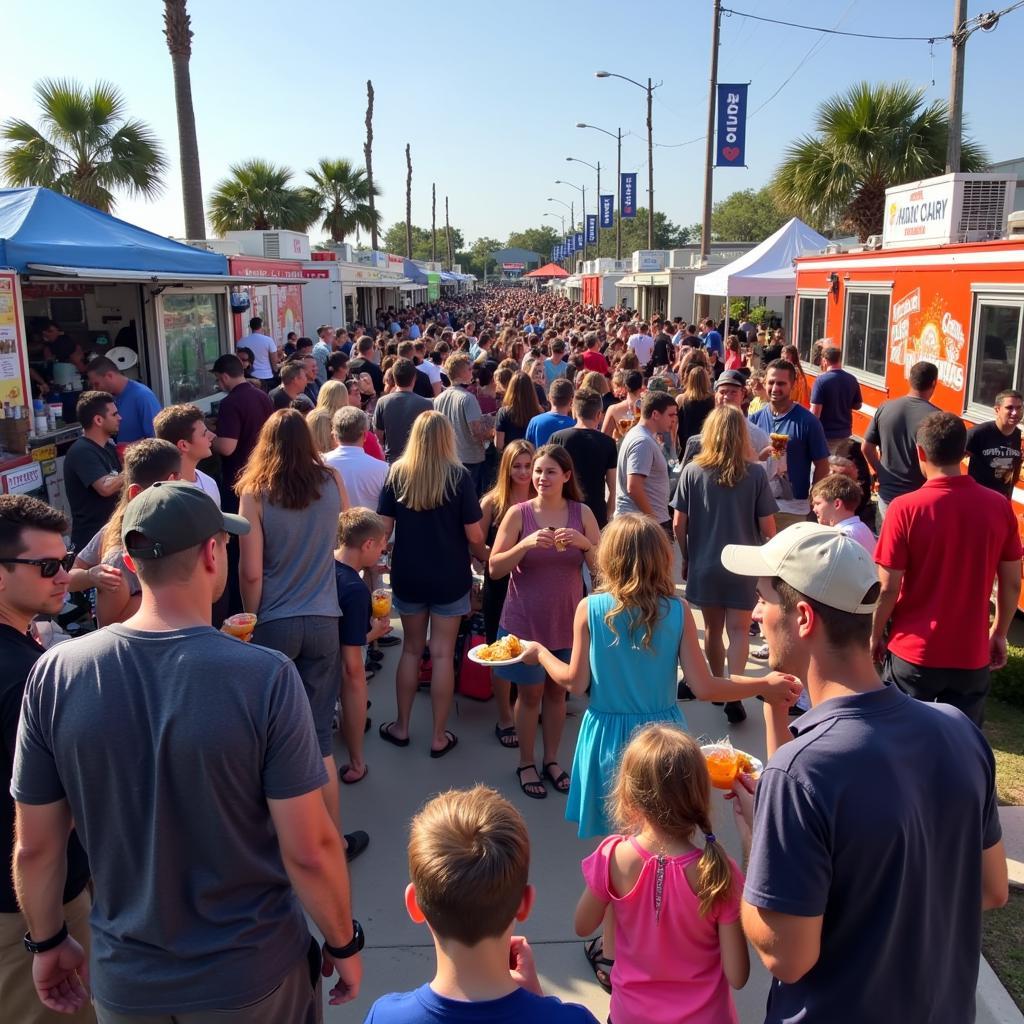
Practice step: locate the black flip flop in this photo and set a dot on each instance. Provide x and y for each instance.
(385, 734)
(535, 794)
(562, 783)
(356, 843)
(507, 734)
(593, 950)
(351, 782)
(452, 742)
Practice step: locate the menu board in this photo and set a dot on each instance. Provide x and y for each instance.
(12, 342)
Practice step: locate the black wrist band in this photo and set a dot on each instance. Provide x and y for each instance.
(48, 944)
(354, 946)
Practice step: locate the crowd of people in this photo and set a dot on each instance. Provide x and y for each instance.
(549, 467)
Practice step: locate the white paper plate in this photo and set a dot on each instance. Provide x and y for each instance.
(755, 761)
(473, 655)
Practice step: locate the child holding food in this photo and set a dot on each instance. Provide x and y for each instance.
(676, 901)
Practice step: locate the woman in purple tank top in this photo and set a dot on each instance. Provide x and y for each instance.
(542, 545)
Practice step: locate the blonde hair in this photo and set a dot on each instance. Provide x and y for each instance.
(428, 472)
(596, 381)
(333, 396)
(501, 493)
(724, 441)
(663, 783)
(697, 384)
(634, 565)
(469, 861)
(319, 423)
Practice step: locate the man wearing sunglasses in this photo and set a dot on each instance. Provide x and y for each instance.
(33, 581)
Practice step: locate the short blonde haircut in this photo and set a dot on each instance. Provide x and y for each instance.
(358, 525)
(469, 860)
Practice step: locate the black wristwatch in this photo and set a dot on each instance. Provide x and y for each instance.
(344, 952)
(47, 944)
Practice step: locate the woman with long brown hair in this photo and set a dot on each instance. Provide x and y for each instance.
(514, 486)
(286, 566)
(518, 407)
(542, 545)
(430, 501)
(695, 402)
(722, 498)
(801, 393)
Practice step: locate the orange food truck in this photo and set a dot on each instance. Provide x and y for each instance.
(944, 283)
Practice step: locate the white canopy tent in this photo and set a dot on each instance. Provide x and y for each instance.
(767, 269)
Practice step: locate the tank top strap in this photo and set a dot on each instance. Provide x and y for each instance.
(575, 520)
(528, 519)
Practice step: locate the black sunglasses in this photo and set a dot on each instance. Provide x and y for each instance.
(48, 567)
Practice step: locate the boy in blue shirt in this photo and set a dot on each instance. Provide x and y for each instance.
(469, 860)
(362, 539)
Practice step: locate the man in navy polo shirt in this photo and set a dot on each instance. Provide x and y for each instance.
(874, 839)
(834, 396)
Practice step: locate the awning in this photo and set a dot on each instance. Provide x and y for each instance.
(415, 287)
(47, 272)
(644, 281)
(447, 277)
(415, 274)
(395, 283)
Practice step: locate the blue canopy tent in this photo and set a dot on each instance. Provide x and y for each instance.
(42, 231)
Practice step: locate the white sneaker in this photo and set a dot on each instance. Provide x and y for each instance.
(761, 653)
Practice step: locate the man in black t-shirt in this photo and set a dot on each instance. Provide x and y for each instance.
(92, 469)
(593, 454)
(29, 531)
(994, 447)
(365, 364)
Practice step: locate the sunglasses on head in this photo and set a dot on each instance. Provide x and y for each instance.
(48, 567)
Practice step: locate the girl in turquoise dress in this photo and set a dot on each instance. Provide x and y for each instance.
(628, 639)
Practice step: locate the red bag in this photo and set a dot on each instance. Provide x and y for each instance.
(474, 680)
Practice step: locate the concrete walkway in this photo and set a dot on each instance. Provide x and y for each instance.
(399, 954)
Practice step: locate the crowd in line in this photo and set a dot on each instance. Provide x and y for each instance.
(175, 797)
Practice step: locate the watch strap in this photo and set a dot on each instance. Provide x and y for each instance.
(47, 944)
(355, 945)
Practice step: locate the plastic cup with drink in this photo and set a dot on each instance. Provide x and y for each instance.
(240, 626)
(381, 604)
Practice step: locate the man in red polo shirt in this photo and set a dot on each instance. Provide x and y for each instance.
(939, 551)
(592, 357)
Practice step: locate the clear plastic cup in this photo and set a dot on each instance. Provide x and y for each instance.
(381, 604)
(240, 626)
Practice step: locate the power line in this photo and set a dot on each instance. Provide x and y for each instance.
(840, 32)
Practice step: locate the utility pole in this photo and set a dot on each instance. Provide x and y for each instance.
(448, 235)
(618, 196)
(704, 303)
(433, 223)
(598, 204)
(650, 168)
(956, 85)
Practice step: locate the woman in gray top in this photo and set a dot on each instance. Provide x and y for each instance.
(722, 498)
(292, 501)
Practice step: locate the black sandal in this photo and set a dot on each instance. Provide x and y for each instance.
(507, 737)
(593, 950)
(562, 783)
(539, 790)
(389, 737)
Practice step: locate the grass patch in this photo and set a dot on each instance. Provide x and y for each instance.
(1002, 942)
(1004, 727)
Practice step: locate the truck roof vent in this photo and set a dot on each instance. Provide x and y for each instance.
(983, 208)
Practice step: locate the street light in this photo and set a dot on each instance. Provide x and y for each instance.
(572, 213)
(617, 135)
(593, 167)
(583, 192)
(557, 216)
(649, 89)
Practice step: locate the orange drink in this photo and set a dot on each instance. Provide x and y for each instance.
(723, 767)
(381, 601)
(240, 625)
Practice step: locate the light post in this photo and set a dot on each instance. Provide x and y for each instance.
(582, 189)
(649, 89)
(572, 216)
(617, 135)
(593, 167)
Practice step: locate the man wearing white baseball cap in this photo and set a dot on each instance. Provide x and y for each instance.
(877, 815)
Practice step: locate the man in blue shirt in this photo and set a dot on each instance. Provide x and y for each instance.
(135, 402)
(874, 818)
(802, 453)
(834, 396)
(712, 339)
(541, 427)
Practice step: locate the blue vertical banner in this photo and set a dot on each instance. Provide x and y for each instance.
(591, 229)
(554, 253)
(627, 196)
(731, 139)
(607, 211)
(569, 245)
(578, 247)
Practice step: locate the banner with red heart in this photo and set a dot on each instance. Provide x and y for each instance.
(732, 126)
(731, 153)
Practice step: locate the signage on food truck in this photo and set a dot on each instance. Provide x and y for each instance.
(924, 329)
(919, 214)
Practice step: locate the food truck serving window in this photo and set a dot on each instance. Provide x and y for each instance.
(866, 331)
(193, 326)
(997, 363)
(810, 323)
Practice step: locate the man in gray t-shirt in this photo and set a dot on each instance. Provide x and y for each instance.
(167, 743)
(394, 414)
(459, 405)
(642, 483)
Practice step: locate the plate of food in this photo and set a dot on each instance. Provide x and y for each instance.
(725, 763)
(507, 650)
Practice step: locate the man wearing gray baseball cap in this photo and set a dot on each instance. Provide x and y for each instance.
(189, 764)
(876, 819)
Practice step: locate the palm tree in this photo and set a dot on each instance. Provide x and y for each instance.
(867, 140)
(85, 148)
(177, 29)
(259, 196)
(368, 156)
(341, 195)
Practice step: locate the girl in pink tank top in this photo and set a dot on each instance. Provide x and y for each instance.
(541, 546)
(673, 891)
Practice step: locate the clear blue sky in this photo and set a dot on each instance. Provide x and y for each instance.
(488, 95)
